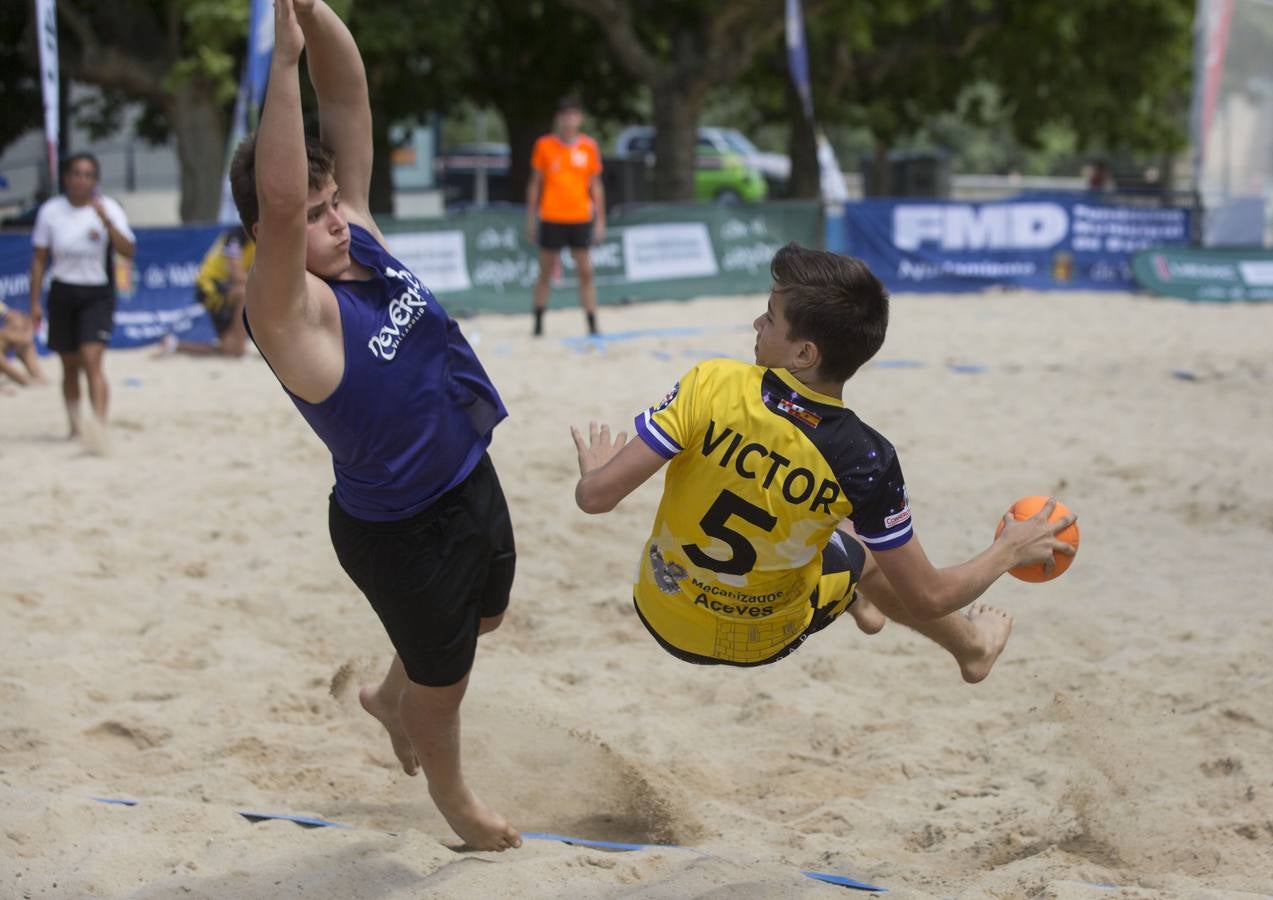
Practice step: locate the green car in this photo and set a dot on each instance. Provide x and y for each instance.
(722, 174)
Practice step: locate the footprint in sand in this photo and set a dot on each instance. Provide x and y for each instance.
(141, 737)
(543, 778)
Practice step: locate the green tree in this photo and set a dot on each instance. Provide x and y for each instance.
(680, 51)
(178, 57)
(1114, 73)
(516, 56)
(19, 74)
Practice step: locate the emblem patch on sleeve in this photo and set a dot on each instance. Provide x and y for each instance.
(667, 399)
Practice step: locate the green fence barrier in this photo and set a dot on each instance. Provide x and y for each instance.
(479, 260)
(1202, 274)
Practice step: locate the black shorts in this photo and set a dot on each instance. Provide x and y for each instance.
(555, 235)
(80, 314)
(843, 561)
(219, 311)
(433, 577)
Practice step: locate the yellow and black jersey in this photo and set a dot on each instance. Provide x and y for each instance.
(762, 469)
(213, 280)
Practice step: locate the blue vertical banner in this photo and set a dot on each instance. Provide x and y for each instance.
(798, 56)
(260, 49)
(46, 28)
(247, 106)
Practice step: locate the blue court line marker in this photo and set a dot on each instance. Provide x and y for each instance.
(315, 822)
(840, 880)
(599, 340)
(845, 881)
(897, 364)
(603, 845)
(253, 817)
(967, 368)
(307, 821)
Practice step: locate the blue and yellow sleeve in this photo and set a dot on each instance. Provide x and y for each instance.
(669, 425)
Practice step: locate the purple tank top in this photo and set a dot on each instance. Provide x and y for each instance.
(414, 411)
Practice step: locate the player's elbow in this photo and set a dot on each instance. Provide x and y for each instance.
(591, 500)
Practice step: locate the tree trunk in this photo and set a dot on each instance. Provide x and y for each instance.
(199, 124)
(806, 180)
(677, 106)
(881, 171)
(523, 126)
(380, 192)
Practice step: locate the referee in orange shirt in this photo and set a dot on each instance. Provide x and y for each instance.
(565, 207)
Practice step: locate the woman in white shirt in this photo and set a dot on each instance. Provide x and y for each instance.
(75, 231)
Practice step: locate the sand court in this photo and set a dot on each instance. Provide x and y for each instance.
(175, 629)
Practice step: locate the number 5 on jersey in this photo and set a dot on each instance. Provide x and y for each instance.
(715, 524)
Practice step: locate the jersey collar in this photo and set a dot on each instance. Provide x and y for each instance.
(804, 390)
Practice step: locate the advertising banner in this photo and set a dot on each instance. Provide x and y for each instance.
(474, 261)
(1206, 274)
(1040, 241)
(155, 293)
(479, 259)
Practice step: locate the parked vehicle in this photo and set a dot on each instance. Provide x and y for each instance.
(729, 168)
(460, 173)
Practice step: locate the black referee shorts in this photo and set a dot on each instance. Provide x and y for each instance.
(80, 314)
(433, 577)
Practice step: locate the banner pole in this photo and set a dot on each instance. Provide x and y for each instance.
(46, 28)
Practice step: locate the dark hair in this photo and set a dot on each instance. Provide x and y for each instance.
(567, 103)
(835, 302)
(71, 160)
(322, 166)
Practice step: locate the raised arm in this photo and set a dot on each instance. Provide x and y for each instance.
(608, 472)
(277, 294)
(344, 107)
(122, 239)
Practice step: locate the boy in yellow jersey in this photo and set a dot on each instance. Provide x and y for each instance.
(779, 503)
(219, 288)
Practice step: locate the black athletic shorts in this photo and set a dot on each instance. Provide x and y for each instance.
(432, 578)
(219, 311)
(555, 235)
(843, 561)
(80, 314)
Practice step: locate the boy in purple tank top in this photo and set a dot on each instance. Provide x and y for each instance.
(386, 379)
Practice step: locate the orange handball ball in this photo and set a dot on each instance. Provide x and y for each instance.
(1024, 509)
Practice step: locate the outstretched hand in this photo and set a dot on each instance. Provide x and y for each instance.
(289, 40)
(598, 450)
(1034, 540)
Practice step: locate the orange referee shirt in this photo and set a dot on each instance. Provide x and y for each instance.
(567, 170)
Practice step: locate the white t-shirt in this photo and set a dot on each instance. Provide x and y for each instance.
(77, 239)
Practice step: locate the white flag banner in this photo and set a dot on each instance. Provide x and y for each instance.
(46, 27)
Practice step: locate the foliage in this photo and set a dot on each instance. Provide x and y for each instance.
(19, 73)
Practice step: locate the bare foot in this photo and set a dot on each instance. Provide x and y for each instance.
(992, 627)
(868, 617)
(94, 436)
(480, 826)
(369, 697)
